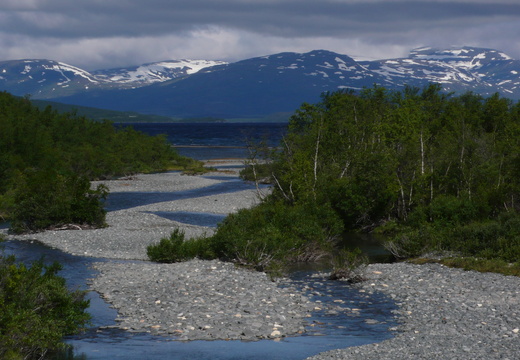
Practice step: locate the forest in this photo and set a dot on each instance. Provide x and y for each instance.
(47, 160)
(431, 171)
(428, 171)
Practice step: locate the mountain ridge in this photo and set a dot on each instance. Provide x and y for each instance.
(259, 86)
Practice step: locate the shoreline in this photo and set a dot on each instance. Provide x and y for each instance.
(193, 300)
(137, 224)
(444, 312)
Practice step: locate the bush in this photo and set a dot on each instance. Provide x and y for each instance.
(36, 309)
(177, 249)
(452, 210)
(413, 242)
(257, 172)
(275, 233)
(47, 198)
(348, 265)
(265, 237)
(494, 239)
(491, 239)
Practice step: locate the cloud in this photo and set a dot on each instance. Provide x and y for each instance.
(97, 33)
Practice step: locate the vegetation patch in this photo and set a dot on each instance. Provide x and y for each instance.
(476, 264)
(48, 158)
(428, 170)
(36, 309)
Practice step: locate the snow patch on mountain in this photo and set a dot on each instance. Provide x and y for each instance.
(155, 72)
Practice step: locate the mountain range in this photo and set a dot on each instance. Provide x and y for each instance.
(257, 87)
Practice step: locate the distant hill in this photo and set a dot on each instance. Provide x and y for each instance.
(102, 114)
(267, 86)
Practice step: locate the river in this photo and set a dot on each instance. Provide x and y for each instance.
(326, 331)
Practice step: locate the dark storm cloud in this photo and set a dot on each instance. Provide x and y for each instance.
(281, 18)
(259, 25)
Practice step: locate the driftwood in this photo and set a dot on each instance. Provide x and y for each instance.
(71, 227)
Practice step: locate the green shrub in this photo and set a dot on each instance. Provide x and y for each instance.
(265, 237)
(348, 265)
(274, 232)
(257, 172)
(452, 210)
(177, 249)
(47, 198)
(494, 239)
(36, 309)
(413, 242)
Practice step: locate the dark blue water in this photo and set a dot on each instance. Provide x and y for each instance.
(204, 141)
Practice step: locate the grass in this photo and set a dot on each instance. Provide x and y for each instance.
(481, 265)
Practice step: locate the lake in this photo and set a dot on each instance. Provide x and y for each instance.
(205, 141)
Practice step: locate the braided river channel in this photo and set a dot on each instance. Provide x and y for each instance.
(371, 319)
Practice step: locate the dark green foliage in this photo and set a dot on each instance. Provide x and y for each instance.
(46, 198)
(431, 171)
(258, 172)
(177, 249)
(348, 265)
(439, 172)
(36, 309)
(47, 159)
(498, 238)
(274, 232)
(266, 237)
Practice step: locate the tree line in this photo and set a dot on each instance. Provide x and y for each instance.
(431, 171)
(47, 160)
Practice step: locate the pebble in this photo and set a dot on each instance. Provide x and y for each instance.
(201, 300)
(444, 313)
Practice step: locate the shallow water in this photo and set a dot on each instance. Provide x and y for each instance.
(326, 331)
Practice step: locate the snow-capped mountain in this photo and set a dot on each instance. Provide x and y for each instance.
(248, 88)
(48, 79)
(154, 72)
(43, 78)
(483, 71)
(259, 86)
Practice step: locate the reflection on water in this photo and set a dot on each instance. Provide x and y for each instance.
(370, 244)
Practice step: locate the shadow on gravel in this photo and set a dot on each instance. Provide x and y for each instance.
(191, 218)
(128, 200)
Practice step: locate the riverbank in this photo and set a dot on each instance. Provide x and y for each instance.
(194, 300)
(445, 313)
(137, 206)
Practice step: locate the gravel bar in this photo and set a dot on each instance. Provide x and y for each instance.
(445, 313)
(132, 229)
(193, 300)
(201, 300)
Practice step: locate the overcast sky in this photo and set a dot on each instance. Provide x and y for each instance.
(96, 34)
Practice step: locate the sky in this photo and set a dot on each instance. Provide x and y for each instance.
(102, 34)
